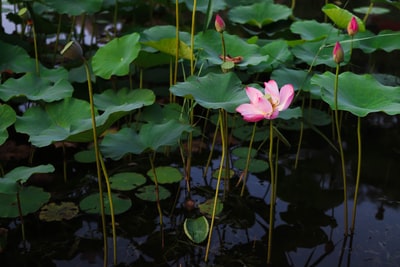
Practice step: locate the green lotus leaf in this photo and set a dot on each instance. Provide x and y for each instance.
(7, 118)
(359, 94)
(168, 46)
(148, 193)
(386, 40)
(161, 32)
(115, 57)
(209, 45)
(123, 99)
(255, 165)
(373, 10)
(58, 212)
(341, 17)
(311, 29)
(10, 183)
(278, 53)
(214, 91)
(166, 175)
(125, 181)
(31, 198)
(66, 120)
(13, 58)
(51, 86)
(91, 204)
(242, 152)
(259, 14)
(151, 136)
(125, 141)
(151, 59)
(85, 156)
(202, 5)
(74, 7)
(196, 229)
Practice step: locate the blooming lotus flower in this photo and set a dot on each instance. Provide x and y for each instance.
(268, 105)
(219, 24)
(352, 27)
(338, 54)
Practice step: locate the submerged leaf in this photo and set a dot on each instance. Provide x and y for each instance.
(58, 212)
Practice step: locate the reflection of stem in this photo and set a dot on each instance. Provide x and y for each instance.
(246, 169)
(272, 193)
(97, 155)
(218, 184)
(339, 138)
(353, 220)
(151, 157)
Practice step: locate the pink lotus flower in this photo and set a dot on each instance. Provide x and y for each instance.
(219, 24)
(266, 106)
(352, 27)
(338, 54)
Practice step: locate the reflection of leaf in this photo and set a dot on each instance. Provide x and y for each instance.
(57, 212)
(196, 229)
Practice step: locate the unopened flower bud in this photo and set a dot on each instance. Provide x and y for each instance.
(72, 50)
(338, 54)
(352, 27)
(219, 24)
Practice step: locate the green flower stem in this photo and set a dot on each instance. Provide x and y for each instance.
(246, 169)
(353, 221)
(57, 38)
(192, 37)
(223, 47)
(301, 135)
(212, 148)
(153, 169)
(339, 138)
(272, 193)
(177, 42)
(98, 164)
(115, 16)
(36, 49)
(21, 217)
(371, 5)
(224, 145)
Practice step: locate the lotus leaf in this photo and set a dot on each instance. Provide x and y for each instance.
(7, 118)
(75, 7)
(166, 175)
(91, 204)
(196, 229)
(207, 207)
(148, 193)
(115, 57)
(259, 14)
(13, 58)
(126, 181)
(341, 17)
(31, 197)
(58, 212)
(359, 94)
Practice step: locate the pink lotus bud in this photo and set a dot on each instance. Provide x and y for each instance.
(352, 27)
(219, 24)
(338, 54)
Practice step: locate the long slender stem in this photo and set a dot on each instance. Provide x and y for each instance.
(221, 114)
(272, 193)
(192, 37)
(21, 217)
(339, 138)
(353, 220)
(36, 49)
(57, 38)
(98, 164)
(223, 47)
(301, 135)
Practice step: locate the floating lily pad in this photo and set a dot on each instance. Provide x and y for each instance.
(208, 206)
(196, 229)
(91, 203)
(359, 94)
(58, 212)
(115, 57)
(242, 152)
(125, 181)
(215, 91)
(7, 118)
(85, 156)
(259, 14)
(255, 166)
(31, 197)
(166, 175)
(148, 193)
